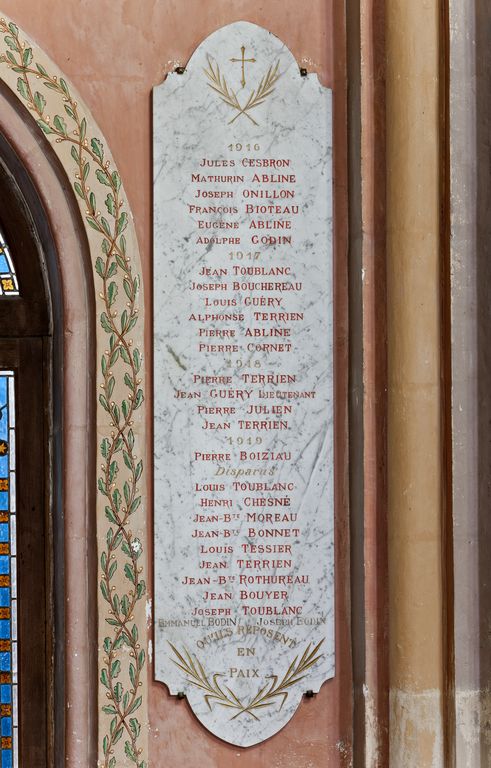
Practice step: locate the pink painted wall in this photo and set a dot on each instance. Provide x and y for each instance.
(115, 51)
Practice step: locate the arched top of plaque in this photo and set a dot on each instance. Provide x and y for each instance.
(244, 593)
(245, 76)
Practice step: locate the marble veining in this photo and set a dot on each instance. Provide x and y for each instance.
(243, 382)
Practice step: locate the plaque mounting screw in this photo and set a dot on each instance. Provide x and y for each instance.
(303, 72)
(181, 695)
(309, 694)
(180, 70)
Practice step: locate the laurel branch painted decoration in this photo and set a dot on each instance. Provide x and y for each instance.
(67, 124)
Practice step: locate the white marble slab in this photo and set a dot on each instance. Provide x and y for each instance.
(244, 545)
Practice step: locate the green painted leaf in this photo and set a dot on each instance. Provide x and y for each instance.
(117, 499)
(137, 359)
(14, 29)
(136, 705)
(122, 222)
(92, 200)
(77, 186)
(110, 515)
(141, 589)
(125, 605)
(110, 710)
(135, 727)
(11, 43)
(104, 678)
(40, 103)
(110, 386)
(106, 227)
(125, 355)
(97, 149)
(120, 731)
(128, 380)
(128, 288)
(22, 88)
(112, 292)
(113, 470)
(116, 181)
(99, 266)
(104, 591)
(93, 223)
(102, 486)
(27, 57)
(129, 573)
(110, 205)
(129, 751)
(126, 492)
(114, 355)
(138, 398)
(115, 668)
(103, 177)
(112, 569)
(44, 126)
(106, 323)
(83, 129)
(127, 461)
(122, 244)
(41, 70)
(85, 175)
(118, 692)
(60, 125)
(104, 403)
(105, 744)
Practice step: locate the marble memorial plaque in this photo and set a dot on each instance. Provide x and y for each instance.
(244, 544)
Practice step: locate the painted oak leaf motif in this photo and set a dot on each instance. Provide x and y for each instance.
(257, 97)
(266, 696)
(122, 670)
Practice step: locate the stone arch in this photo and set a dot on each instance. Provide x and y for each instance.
(63, 151)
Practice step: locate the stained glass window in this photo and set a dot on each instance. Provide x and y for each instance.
(8, 577)
(8, 279)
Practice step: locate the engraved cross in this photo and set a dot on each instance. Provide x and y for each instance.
(243, 61)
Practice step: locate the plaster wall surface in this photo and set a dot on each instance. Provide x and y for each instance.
(114, 53)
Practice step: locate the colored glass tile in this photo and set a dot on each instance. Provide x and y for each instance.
(9, 285)
(8, 561)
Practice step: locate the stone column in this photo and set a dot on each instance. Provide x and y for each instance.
(414, 395)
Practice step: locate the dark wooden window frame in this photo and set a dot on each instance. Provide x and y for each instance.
(29, 348)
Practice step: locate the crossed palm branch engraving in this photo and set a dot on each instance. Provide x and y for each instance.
(218, 83)
(274, 690)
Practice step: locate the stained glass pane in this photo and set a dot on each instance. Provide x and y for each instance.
(9, 719)
(8, 279)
